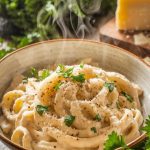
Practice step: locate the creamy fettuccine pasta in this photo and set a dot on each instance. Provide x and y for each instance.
(71, 108)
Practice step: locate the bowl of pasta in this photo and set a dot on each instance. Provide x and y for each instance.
(71, 95)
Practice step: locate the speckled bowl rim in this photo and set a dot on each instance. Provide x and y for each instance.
(134, 142)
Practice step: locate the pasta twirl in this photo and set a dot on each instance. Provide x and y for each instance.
(74, 108)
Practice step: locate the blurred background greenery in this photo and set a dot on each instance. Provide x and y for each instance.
(23, 22)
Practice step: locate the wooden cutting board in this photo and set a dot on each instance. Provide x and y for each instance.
(109, 34)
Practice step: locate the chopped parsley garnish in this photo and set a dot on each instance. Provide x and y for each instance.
(94, 129)
(128, 97)
(68, 120)
(68, 73)
(81, 65)
(115, 141)
(65, 73)
(110, 86)
(45, 74)
(58, 85)
(41, 109)
(146, 128)
(97, 117)
(33, 73)
(61, 68)
(79, 78)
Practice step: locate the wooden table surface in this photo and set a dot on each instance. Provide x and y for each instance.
(109, 34)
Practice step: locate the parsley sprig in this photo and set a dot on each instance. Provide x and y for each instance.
(45, 74)
(34, 73)
(146, 128)
(97, 117)
(128, 97)
(68, 74)
(93, 129)
(61, 68)
(65, 73)
(115, 141)
(57, 86)
(78, 78)
(81, 65)
(41, 109)
(110, 86)
(68, 120)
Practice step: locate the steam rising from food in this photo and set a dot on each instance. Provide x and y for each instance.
(25, 22)
(72, 23)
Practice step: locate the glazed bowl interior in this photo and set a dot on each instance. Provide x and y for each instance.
(69, 51)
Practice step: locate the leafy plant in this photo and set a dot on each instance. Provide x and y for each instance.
(79, 78)
(115, 141)
(36, 20)
(146, 128)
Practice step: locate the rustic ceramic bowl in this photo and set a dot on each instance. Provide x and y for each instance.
(68, 51)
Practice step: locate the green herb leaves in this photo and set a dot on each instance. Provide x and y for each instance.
(41, 109)
(128, 97)
(68, 74)
(23, 16)
(68, 120)
(61, 68)
(97, 117)
(45, 74)
(146, 128)
(81, 65)
(57, 86)
(34, 73)
(93, 129)
(65, 73)
(115, 141)
(110, 86)
(79, 78)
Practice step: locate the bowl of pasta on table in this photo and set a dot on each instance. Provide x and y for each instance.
(72, 95)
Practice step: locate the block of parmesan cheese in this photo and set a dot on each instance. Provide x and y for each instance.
(133, 15)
